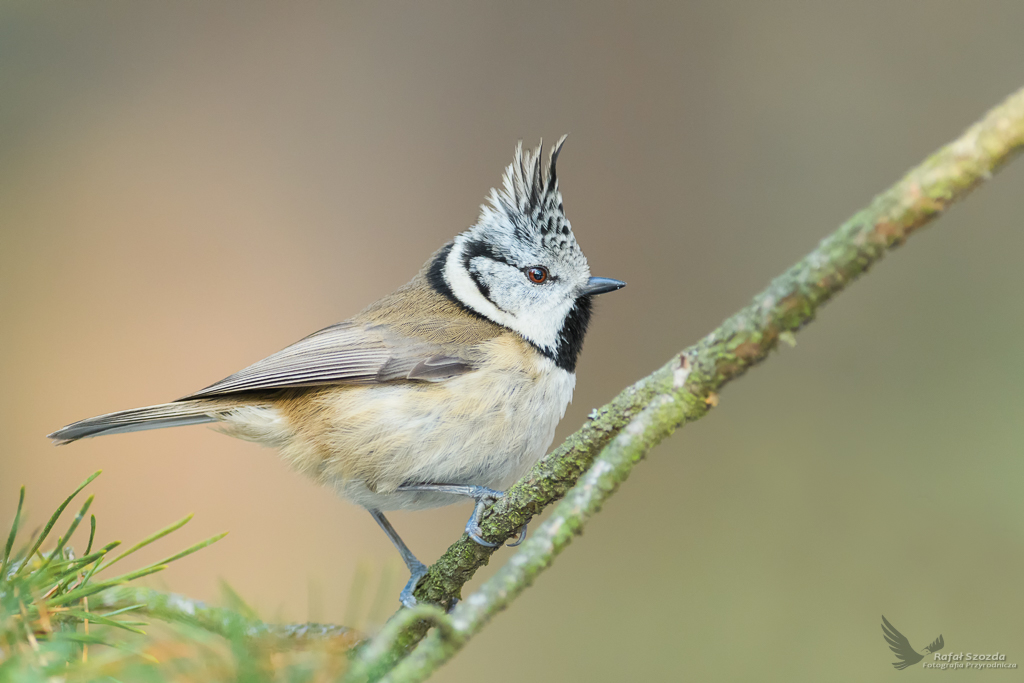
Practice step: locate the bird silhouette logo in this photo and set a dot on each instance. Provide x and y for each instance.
(899, 644)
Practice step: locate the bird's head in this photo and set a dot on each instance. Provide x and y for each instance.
(520, 266)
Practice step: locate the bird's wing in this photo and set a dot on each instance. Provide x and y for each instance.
(899, 644)
(937, 644)
(346, 353)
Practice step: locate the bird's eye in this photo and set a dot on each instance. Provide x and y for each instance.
(538, 274)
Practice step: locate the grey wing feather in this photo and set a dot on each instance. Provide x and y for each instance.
(438, 368)
(346, 353)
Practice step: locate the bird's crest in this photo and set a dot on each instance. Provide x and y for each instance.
(529, 201)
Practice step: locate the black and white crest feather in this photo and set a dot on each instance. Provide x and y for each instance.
(530, 201)
(528, 209)
(522, 227)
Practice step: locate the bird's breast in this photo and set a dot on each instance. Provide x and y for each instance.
(486, 428)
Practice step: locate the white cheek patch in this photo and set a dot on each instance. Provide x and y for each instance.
(541, 327)
(466, 291)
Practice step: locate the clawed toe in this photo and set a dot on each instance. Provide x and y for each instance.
(473, 529)
(520, 538)
(474, 532)
(406, 596)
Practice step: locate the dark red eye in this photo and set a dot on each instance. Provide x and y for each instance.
(538, 274)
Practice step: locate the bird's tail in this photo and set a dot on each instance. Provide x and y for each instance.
(176, 414)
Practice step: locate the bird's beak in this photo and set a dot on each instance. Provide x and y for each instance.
(601, 285)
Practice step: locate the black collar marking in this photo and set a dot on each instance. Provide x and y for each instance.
(570, 338)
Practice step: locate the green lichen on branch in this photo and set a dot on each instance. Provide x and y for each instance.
(685, 388)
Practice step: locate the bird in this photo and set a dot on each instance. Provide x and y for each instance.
(905, 652)
(446, 389)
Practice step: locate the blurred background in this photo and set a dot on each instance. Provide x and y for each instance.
(187, 188)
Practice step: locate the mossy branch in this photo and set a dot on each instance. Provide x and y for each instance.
(683, 390)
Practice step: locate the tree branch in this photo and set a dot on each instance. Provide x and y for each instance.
(228, 623)
(682, 390)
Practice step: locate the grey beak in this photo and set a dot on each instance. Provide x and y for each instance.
(602, 285)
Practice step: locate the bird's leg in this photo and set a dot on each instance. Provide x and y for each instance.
(483, 497)
(416, 568)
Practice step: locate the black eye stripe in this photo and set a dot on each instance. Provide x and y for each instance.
(436, 280)
(477, 248)
(484, 290)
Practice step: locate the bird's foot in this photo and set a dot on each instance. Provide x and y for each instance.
(484, 498)
(418, 571)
